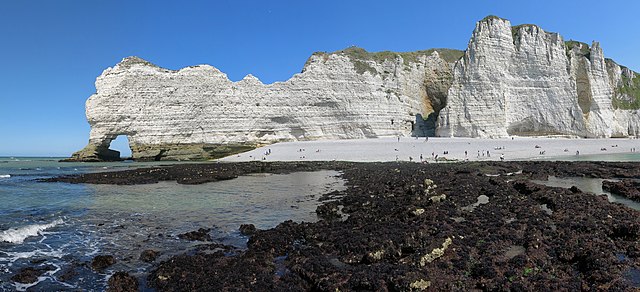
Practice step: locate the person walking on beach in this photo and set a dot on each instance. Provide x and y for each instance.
(501, 157)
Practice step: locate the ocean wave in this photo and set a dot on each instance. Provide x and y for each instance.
(5, 175)
(18, 235)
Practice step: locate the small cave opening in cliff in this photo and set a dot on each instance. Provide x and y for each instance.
(121, 144)
(424, 126)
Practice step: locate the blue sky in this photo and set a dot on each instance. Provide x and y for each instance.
(51, 51)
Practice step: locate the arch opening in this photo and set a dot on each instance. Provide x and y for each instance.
(121, 144)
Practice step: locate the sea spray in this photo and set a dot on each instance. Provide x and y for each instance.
(18, 235)
(5, 175)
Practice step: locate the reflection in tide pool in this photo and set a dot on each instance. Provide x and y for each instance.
(590, 185)
(59, 227)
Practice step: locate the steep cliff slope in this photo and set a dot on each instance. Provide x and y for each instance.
(198, 113)
(522, 80)
(511, 80)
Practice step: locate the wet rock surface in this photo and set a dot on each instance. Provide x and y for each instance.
(191, 173)
(201, 234)
(626, 188)
(30, 275)
(101, 262)
(149, 255)
(387, 232)
(122, 282)
(247, 229)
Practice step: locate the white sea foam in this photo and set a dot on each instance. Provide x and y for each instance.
(18, 235)
(5, 175)
(47, 275)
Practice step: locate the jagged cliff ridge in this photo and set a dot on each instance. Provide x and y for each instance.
(522, 80)
(198, 113)
(516, 80)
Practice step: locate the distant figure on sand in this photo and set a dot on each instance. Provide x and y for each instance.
(577, 152)
(501, 157)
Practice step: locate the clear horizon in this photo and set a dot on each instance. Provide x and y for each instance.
(53, 50)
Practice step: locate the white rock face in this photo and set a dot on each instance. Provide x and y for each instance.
(199, 105)
(510, 81)
(525, 81)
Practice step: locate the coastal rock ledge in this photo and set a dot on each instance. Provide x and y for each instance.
(511, 80)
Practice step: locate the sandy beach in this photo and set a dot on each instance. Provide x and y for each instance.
(411, 149)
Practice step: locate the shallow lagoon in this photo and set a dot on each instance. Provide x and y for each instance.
(56, 225)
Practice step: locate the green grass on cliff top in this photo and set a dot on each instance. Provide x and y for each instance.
(631, 88)
(357, 53)
(360, 56)
(584, 48)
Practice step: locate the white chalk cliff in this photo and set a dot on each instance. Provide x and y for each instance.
(510, 81)
(198, 113)
(524, 81)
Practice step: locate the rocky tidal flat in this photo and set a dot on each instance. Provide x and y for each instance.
(411, 226)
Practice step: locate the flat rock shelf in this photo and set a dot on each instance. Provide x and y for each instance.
(406, 226)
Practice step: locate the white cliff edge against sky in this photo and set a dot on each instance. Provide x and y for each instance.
(510, 81)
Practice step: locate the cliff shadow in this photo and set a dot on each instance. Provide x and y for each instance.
(424, 127)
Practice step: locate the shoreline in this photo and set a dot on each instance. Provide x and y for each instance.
(390, 149)
(444, 226)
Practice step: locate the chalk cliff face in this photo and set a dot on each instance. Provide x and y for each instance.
(198, 113)
(511, 80)
(524, 81)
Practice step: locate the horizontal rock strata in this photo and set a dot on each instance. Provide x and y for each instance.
(198, 113)
(511, 80)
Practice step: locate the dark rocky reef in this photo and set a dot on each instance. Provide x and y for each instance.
(627, 188)
(122, 282)
(409, 226)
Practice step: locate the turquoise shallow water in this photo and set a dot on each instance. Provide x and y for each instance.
(56, 226)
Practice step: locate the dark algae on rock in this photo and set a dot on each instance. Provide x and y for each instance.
(626, 188)
(410, 226)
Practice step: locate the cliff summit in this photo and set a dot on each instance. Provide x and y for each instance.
(511, 80)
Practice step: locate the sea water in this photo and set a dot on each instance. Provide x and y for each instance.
(60, 227)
